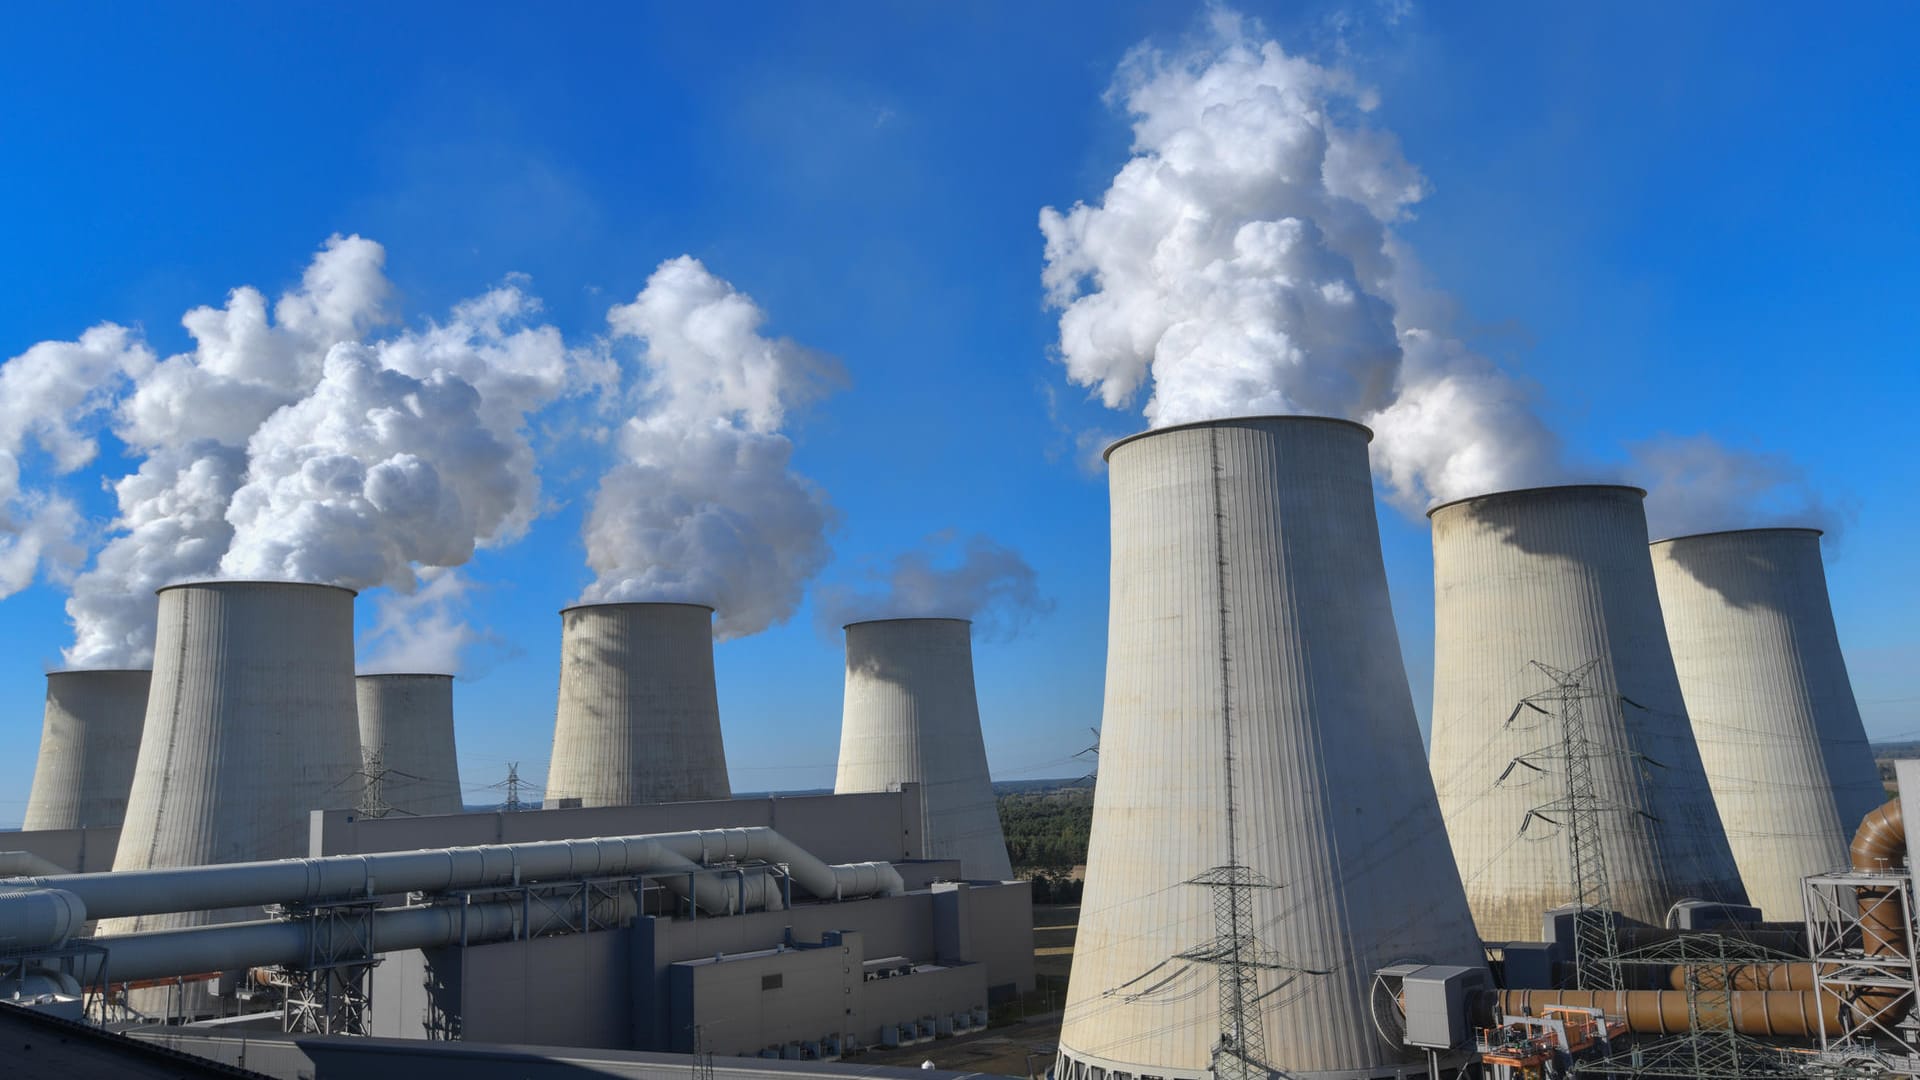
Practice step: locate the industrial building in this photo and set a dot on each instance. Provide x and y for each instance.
(1265, 835)
(1759, 663)
(407, 745)
(911, 717)
(89, 741)
(639, 717)
(1545, 608)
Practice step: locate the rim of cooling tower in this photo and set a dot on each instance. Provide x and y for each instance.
(1231, 421)
(1736, 532)
(1535, 490)
(202, 583)
(638, 603)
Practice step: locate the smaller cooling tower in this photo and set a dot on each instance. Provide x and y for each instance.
(639, 720)
(250, 727)
(1772, 708)
(1561, 576)
(408, 721)
(88, 743)
(911, 717)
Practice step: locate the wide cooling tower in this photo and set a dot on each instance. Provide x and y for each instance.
(406, 734)
(1772, 708)
(911, 717)
(250, 727)
(88, 742)
(639, 720)
(1258, 728)
(1560, 577)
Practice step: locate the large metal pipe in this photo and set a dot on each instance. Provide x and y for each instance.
(1763, 1013)
(339, 877)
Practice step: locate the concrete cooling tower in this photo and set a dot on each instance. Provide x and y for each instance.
(911, 716)
(639, 720)
(250, 726)
(408, 720)
(1773, 711)
(1561, 576)
(88, 742)
(1251, 650)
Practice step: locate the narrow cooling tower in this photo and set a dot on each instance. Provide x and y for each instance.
(911, 716)
(88, 743)
(250, 727)
(1251, 650)
(1773, 711)
(1561, 576)
(639, 721)
(408, 721)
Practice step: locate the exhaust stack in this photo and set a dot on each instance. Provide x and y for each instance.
(1561, 576)
(408, 721)
(1251, 645)
(639, 719)
(89, 740)
(911, 716)
(1773, 711)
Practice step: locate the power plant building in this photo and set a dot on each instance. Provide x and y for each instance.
(406, 733)
(89, 740)
(638, 719)
(1561, 577)
(249, 727)
(1773, 710)
(911, 716)
(1258, 736)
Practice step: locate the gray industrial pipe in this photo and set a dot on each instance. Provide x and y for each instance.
(25, 921)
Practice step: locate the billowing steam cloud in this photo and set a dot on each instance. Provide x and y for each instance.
(1243, 262)
(704, 506)
(46, 395)
(298, 447)
(977, 579)
(1698, 484)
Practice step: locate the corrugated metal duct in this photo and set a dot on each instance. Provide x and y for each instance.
(408, 719)
(911, 716)
(250, 727)
(1561, 576)
(1773, 711)
(639, 719)
(88, 742)
(1249, 613)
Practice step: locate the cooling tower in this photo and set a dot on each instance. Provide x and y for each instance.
(250, 726)
(1251, 648)
(638, 721)
(1760, 666)
(1561, 576)
(88, 743)
(408, 721)
(911, 716)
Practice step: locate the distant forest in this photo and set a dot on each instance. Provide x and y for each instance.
(1047, 830)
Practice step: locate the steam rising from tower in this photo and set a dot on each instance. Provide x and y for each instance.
(1780, 735)
(1251, 647)
(639, 718)
(911, 716)
(1561, 576)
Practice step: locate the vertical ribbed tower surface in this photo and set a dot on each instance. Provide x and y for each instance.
(1561, 576)
(639, 719)
(88, 742)
(911, 716)
(1773, 711)
(1249, 597)
(250, 726)
(408, 719)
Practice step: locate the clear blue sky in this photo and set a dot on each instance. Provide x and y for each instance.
(1672, 218)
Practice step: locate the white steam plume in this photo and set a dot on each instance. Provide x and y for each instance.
(1698, 484)
(48, 396)
(423, 632)
(977, 579)
(300, 447)
(704, 505)
(1243, 262)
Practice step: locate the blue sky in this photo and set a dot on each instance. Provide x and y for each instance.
(1671, 220)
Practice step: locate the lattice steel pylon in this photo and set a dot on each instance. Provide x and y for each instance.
(373, 770)
(1596, 945)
